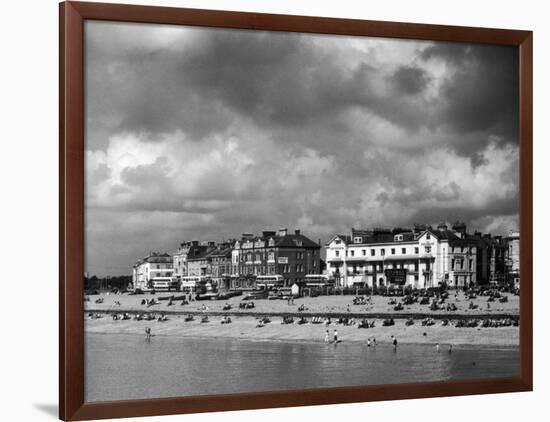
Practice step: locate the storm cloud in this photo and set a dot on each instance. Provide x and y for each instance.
(201, 133)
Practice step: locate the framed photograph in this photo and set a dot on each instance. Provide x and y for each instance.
(267, 210)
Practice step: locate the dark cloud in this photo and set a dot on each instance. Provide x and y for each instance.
(410, 80)
(505, 207)
(482, 96)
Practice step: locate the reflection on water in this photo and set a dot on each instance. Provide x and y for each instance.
(122, 367)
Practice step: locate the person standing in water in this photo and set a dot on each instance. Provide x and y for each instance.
(327, 337)
(368, 342)
(148, 333)
(437, 348)
(335, 336)
(394, 341)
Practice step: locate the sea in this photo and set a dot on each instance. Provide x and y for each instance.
(121, 367)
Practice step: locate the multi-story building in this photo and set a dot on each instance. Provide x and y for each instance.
(292, 256)
(198, 259)
(180, 260)
(495, 255)
(512, 258)
(155, 268)
(220, 265)
(421, 257)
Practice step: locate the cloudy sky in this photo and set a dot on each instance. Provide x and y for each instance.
(196, 133)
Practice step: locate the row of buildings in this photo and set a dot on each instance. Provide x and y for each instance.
(423, 257)
(286, 257)
(420, 257)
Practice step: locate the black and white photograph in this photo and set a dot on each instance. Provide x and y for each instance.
(271, 211)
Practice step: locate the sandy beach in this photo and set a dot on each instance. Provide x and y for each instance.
(245, 327)
(320, 305)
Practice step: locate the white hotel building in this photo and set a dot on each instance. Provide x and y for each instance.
(156, 268)
(419, 258)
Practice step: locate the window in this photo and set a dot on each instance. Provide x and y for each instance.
(428, 236)
(372, 251)
(382, 252)
(403, 251)
(393, 251)
(428, 249)
(364, 252)
(352, 253)
(357, 239)
(337, 253)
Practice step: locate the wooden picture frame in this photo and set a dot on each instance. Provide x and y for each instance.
(71, 205)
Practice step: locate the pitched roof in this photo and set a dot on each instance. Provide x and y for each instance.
(155, 258)
(295, 240)
(343, 237)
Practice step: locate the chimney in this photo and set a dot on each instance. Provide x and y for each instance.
(268, 233)
(283, 231)
(297, 232)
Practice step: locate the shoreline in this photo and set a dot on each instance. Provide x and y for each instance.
(457, 346)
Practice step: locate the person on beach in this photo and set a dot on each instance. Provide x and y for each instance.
(394, 341)
(450, 348)
(335, 336)
(437, 348)
(148, 333)
(327, 337)
(374, 341)
(368, 342)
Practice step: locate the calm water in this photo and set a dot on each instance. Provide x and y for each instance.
(122, 367)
